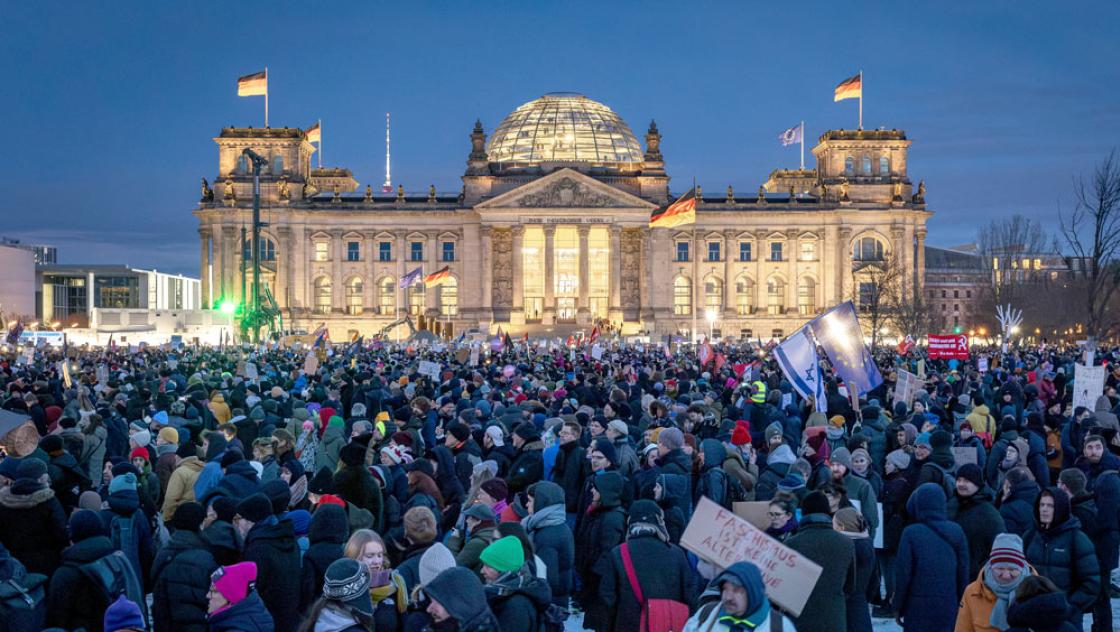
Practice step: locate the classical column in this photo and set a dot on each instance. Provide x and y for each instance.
(549, 315)
(614, 312)
(844, 265)
(400, 296)
(791, 268)
(762, 252)
(920, 268)
(487, 277)
(647, 305)
(338, 284)
(282, 290)
(517, 311)
(827, 258)
(204, 265)
(432, 309)
(697, 282)
(728, 274)
(369, 252)
(583, 314)
(230, 287)
(300, 262)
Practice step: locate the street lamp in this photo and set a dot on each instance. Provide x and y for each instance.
(710, 315)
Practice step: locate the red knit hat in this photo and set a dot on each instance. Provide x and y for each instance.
(1007, 548)
(741, 435)
(139, 453)
(331, 499)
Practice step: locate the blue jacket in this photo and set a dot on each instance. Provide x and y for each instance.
(247, 615)
(931, 570)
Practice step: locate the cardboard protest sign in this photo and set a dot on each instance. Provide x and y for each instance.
(722, 538)
(310, 363)
(905, 387)
(462, 354)
(756, 513)
(1088, 385)
(964, 454)
(430, 369)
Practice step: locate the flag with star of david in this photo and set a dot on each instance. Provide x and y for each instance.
(797, 356)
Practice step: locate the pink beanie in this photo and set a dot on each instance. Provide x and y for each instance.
(235, 581)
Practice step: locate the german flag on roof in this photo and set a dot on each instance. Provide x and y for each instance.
(438, 277)
(683, 211)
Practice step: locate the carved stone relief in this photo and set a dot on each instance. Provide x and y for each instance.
(630, 281)
(567, 192)
(502, 240)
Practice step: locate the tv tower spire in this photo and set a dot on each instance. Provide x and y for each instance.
(387, 187)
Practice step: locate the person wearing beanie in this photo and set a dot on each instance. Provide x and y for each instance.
(271, 544)
(479, 530)
(434, 561)
(527, 466)
(180, 484)
(986, 600)
(601, 527)
(219, 532)
(32, 520)
(741, 435)
(840, 463)
(835, 554)
(74, 600)
(331, 443)
(513, 593)
(931, 569)
(234, 603)
(627, 457)
(547, 528)
(778, 463)
(967, 438)
(354, 483)
(124, 616)
(603, 450)
(345, 602)
(181, 574)
(326, 537)
(972, 508)
(124, 513)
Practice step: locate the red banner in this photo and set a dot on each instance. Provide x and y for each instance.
(948, 347)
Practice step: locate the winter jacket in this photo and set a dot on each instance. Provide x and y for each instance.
(247, 615)
(568, 472)
(180, 582)
(180, 487)
(517, 600)
(602, 529)
(271, 544)
(238, 483)
(527, 467)
(835, 553)
(859, 489)
(931, 568)
(326, 454)
(662, 571)
(356, 485)
(744, 474)
(223, 542)
(93, 454)
(467, 550)
(552, 539)
(1042, 613)
(858, 613)
(975, 612)
(1065, 555)
(124, 505)
(775, 471)
(327, 535)
(33, 526)
(1104, 482)
(73, 601)
(981, 523)
(1018, 508)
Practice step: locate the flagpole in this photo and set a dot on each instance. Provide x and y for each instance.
(320, 143)
(266, 97)
(861, 100)
(803, 145)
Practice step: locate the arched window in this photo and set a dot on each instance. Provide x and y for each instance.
(867, 249)
(387, 296)
(884, 165)
(268, 250)
(323, 295)
(277, 165)
(775, 296)
(354, 289)
(713, 293)
(867, 165)
(416, 299)
(682, 296)
(807, 296)
(849, 166)
(449, 298)
(744, 295)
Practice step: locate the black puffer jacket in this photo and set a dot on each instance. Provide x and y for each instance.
(527, 467)
(552, 539)
(1042, 613)
(327, 535)
(981, 523)
(181, 579)
(33, 525)
(272, 546)
(517, 600)
(1064, 554)
(1018, 508)
(73, 600)
(569, 471)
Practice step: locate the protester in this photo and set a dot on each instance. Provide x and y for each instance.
(931, 570)
(835, 554)
(986, 600)
(234, 603)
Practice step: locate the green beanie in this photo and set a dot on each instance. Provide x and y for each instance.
(504, 555)
(336, 422)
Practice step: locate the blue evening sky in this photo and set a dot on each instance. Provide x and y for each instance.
(110, 107)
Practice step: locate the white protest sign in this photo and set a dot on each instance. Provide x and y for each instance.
(1088, 385)
(431, 369)
(964, 454)
(982, 364)
(251, 371)
(905, 387)
(878, 543)
(722, 538)
(596, 352)
(474, 356)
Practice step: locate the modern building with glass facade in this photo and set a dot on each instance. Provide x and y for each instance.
(550, 231)
(74, 295)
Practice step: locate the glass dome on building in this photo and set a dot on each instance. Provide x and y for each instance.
(564, 126)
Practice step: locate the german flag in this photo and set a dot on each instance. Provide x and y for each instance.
(850, 88)
(314, 133)
(439, 277)
(683, 211)
(253, 85)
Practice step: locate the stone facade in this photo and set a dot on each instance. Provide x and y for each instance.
(563, 241)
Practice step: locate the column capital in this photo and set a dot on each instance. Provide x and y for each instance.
(337, 233)
(920, 233)
(730, 233)
(584, 231)
(761, 234)
(792, 233)
(845, 232)
(486, 230)
(518, 230)
(549, 230)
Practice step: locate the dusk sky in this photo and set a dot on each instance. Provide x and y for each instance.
(111, 107)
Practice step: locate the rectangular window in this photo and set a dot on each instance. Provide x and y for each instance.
(322, 251)
(682, 251)
(943, 294)
(353, 251)
(713, 251)
(385, 251)
(116, 292)
(1038, 264)
(744, 251)
(448, 251)
(746, 334)
(868, 296)
(956, 293)
(808, 251)
(968, 293)
(777, 334)
(775, 251)
(416, 251)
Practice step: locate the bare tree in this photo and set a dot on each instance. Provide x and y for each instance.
(1091, 231)
(909, 312)
(876, 287)
(1002, 246)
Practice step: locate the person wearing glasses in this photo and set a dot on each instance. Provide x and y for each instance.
(783, 518)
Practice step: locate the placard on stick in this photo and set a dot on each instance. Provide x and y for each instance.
(722, 538)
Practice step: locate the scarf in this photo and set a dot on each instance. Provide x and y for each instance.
(548, 517)
(298, 490)
(998, 619)
(745, 623)
(394, 591)
(643, 529)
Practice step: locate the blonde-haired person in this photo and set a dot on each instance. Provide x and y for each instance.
(387, 588)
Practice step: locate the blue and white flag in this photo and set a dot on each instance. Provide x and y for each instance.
(797, 355)
(411, 278)
(792, 135)
(837, 332)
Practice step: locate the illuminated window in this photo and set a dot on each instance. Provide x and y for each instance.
(868, 249)
(598, 271)
(775, 296)
(563, 126)
(849, 166)
(322, 293)
(449, 298)
(884, 165)
(387, 296)
(416, 299)
(713, 251)
(565, 253)
(1038, 264)
(322, 251)
(807, 297)
(713, 294)
(682, 296)
(682, 251)
(354, 290)
(532, 271)
(744, 295)
(995, 263)
(808, 250)
(353, 251)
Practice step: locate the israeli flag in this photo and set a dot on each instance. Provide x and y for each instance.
(797, 355)
(792, 135)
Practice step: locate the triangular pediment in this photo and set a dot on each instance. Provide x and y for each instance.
(566, 188)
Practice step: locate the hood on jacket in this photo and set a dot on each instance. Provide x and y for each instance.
(927, 503)
(747, 576)
(1103, 405)
(782, 455)
(674, 486)
(37, 496)
(460, 592)
(1041, 612)
(546, 494)
(609, 485)
(713, 451)
(124, 502)
(329, 524)
(1062, 509)
(215, 446)
(191, 463)
(524, 583)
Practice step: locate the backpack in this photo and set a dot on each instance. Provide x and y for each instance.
(114, 576)
(658, 615)
(948, 480)
(124, 533)
(23, 603)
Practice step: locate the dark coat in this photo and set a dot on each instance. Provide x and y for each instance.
(409, 568)
(858, 612)
(555, 545)
(272, 546)
(356, 485)
(602, 529)
(247, 615)
(517, 600)
(835, 553)
(1042, 613)
(981, 523)
(1065, 555)
(180, 582)
(931, 569)
(238, 482)
(896, 491)
(768, 480)
(662, 570)
(1018, 509)
(569, 471)
(327, 536)
(125, 505)
(223, 542)
(527, 467)
(73, 600)
(1104, 482)
(33, 526)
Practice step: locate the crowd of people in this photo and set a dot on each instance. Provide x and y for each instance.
(540, 487)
